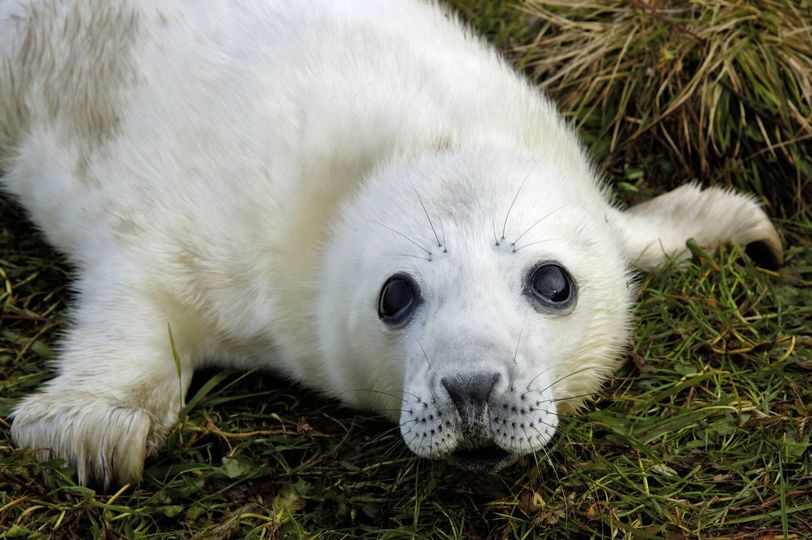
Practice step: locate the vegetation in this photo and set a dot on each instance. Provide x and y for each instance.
(704, 433)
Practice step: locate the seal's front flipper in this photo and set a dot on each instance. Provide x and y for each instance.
(656, 230)
(118, 392)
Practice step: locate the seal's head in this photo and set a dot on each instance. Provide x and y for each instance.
(475, 297)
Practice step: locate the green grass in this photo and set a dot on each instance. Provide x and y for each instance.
(704, 433)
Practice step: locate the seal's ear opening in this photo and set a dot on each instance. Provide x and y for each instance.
(656, 230)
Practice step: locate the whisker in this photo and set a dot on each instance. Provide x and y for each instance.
(539, 374)
(555, 428)
(386, 432)
(393, 409)
(539, 432)
(422, 258)
(418, 398)
(562, 415)
(426, 356)
(538, 465)
(375, 392)
(530, 228)
(493, 224)
(397, 445)
(442, 233)
(513, 202)
(420, 199)
(569, 397)
(387, 227)
(380, 438)
(518, 341)
(515, 249)
(527, 435)
(569, 417)
(577, 371)
(387, 452)
(448, 449)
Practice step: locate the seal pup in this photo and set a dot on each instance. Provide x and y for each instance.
(363, 197)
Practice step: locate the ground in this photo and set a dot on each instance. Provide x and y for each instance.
(704, 433)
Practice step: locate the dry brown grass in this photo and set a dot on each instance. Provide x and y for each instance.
(721, 89)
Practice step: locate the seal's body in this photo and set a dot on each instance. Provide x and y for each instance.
(361, 196)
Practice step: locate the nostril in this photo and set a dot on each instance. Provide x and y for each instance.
(471, 390)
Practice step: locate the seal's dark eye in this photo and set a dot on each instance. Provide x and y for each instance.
(552, 285)
(398, 299)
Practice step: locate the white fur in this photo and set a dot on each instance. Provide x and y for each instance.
(249, 174)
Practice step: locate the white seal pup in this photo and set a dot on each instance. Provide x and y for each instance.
(361, 196)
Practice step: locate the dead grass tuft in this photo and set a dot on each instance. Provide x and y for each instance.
(720, 90)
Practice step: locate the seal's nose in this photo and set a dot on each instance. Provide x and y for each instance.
(470, 391)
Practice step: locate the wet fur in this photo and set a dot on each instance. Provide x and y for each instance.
(249, 174)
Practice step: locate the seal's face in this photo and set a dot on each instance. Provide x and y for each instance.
(488, 295)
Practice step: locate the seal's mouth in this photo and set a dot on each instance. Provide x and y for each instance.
(482, 459)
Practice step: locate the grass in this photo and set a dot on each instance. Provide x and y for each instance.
(704, 433)
(714, 89)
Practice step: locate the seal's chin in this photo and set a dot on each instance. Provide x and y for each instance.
(488, 458)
